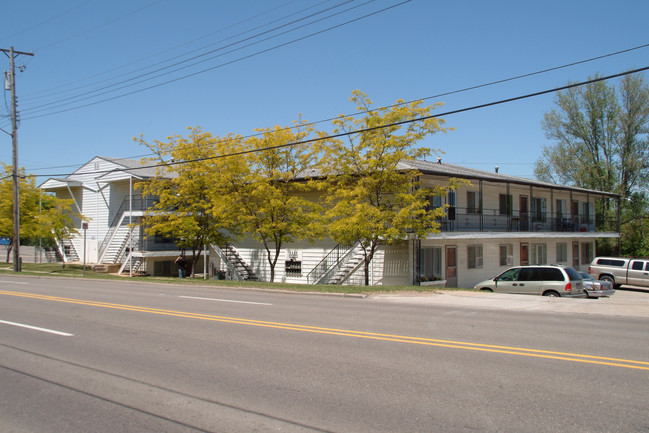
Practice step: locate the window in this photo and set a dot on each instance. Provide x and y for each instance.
(539, 208)
(586, 252)
(505, 204)
(539, 254)
(472, 202)
(430, 263)
(475, 256)
(637, 266)
(561, 209)
(586, 213)
(562, 252)
(434, 202)
(293, 268)
(506, 255)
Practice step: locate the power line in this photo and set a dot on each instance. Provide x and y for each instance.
(51, 92)
(374, 128)
(113, 87)
(99, 26)
(81, 97)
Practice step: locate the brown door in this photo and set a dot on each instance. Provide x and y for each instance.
(451, 266)
(525, 256)
(575, 254)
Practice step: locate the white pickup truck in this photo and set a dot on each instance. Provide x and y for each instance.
(619, 271)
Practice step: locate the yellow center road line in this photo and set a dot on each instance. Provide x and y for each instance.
(520, 351)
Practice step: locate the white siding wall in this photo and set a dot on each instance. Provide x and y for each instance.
(390, 265)
(491, 254)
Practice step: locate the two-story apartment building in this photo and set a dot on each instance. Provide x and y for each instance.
(496, 222)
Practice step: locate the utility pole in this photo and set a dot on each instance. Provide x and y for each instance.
(14, 138)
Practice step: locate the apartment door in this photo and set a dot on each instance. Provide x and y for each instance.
(575, 255)
(451, 266)
(525, 254)
(523, 209)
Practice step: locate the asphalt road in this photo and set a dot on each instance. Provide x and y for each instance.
(104, 356)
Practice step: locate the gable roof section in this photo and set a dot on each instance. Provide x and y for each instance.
(129, 167)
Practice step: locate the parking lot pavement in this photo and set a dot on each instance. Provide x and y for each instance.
(623, 303)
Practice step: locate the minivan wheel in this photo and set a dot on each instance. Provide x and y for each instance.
(551, 293)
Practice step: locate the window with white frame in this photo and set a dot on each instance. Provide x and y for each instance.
(472, 202)
(430, 263)
(474, 253)
(562, 252)
(539, 254)
(539, 209)
(505, 204)
(506, 255)
(586, 213)
(586, 252)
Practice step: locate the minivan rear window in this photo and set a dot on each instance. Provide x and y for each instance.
(610, 262)
(572, 274)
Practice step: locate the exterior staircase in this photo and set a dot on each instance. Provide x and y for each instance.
(69, 251)
(337, 265)
(236, 266)
(354, 261)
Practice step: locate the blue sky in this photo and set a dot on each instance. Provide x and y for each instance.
(86, 50)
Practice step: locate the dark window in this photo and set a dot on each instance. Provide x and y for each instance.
(637, 266)
(505, 204)
(526, 274)
(293, 268)
(572, 274)
(610, 262)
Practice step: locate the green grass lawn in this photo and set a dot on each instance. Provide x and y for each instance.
(76, 271)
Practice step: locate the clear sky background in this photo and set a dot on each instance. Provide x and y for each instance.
(106, 71)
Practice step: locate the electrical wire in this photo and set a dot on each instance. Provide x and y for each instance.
(133, 12)
(113, 88)
(49, 92)
(369, 129)
(47, 20)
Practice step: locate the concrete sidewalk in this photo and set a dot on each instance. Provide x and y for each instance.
(623, 303)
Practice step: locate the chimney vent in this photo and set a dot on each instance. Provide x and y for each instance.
(439, 159)
(496, 168)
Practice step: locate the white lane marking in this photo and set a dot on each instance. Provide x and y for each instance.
(224, 300)
(36, 328)
(13, 282)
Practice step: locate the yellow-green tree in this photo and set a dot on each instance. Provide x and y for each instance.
(184, 189)
(42, 216)
(266, 187)
(373, 198)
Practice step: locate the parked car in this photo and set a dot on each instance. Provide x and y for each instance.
(594, 288)
(546, 280)
(620, 271)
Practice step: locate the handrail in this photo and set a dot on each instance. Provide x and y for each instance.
(138, 203)
(333, 260)
(233, 270)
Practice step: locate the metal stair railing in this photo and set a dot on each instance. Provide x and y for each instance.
(330, 263)
(139, 203)
(236, 275)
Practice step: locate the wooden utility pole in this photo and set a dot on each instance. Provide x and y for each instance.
(14, 138)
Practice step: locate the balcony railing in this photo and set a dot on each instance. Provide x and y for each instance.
(490, 220)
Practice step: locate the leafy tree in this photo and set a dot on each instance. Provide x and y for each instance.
(600, 142)
(184, 188)
(264, 186)
(373, 200)
(42, 216)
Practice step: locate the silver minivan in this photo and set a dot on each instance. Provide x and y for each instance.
(546, 280)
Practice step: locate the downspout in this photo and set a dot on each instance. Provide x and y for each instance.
(481, 208)
(130, 223)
